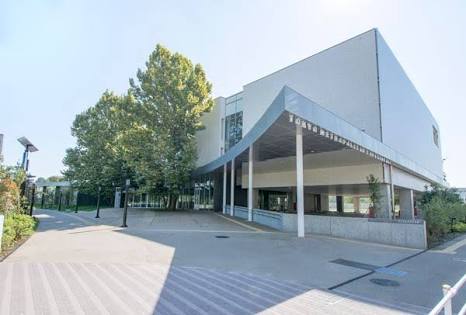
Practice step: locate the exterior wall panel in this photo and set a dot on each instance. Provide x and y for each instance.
(407, 124)
(209, 140)
(343, 79)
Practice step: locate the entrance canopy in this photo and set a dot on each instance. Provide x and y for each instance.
(273, 136)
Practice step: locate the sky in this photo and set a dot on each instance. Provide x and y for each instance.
(57, 57)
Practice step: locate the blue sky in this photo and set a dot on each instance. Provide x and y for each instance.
(57, 57)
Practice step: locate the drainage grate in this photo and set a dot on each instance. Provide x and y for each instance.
(221, 236)
(385, 282)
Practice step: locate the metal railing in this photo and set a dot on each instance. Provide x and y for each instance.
(448, 294)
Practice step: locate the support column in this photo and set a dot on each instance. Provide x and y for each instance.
(250, 182)
(299, 181)
(232, 188)
(224, 204)
(117, 200)
(324, 204)
(392, 194)
(406, 204)
(357, 204)
(385, 204)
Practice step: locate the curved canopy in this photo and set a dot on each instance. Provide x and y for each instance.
(325, 132)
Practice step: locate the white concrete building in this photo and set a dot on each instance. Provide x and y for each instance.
(303, 139)
(293, 150)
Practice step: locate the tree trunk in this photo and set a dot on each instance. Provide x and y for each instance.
(173, 200)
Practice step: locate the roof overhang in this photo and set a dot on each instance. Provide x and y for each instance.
(273, 136)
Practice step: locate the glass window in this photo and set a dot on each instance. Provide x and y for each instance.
(233, 121)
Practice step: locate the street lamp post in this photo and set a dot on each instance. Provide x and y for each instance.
(28, 147)
(125, 211)
(33, 197)
(59, 200)
(98, 202)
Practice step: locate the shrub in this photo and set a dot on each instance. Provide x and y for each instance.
(459, 227)
(16, 227)
(438, 213)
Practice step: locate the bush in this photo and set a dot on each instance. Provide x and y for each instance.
(459, 227)
(438, 213)
(16, 227)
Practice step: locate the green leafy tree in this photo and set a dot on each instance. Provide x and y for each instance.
(374, 193)
(96, 160)
(172, 94)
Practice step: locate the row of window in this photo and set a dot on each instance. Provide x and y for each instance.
(233, 122)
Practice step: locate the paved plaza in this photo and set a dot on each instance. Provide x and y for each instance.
(192, 263)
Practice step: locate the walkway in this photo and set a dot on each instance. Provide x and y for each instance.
(183, 263)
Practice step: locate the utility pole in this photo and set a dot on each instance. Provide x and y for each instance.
(98, 202)
(125, 211)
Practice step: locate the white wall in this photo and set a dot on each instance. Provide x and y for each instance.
(283, 173)
(406, 120)
(406, 180)
(343, 79)
(209, 140)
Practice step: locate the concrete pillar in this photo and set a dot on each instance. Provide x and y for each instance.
(356, 204)
(250, 182)
(117, 200)
(385, 204)
(324, 203)
(406, 204)
(232, 188)
(299, 181)
(392, 194)
(147, 200)
(224, 204)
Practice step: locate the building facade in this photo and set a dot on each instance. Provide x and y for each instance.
(304, 139)
(298, 145)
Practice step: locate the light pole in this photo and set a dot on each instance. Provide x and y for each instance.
(59, 200)
(33, 198)
(125, 211)
(98, 202)
(28, 147)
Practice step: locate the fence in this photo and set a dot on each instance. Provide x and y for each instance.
(448, 294)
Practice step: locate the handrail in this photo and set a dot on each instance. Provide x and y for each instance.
(448, 294)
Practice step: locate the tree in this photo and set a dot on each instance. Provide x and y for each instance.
(374, 193)
(172, 94)
(435, 190)
(96, 160)
(55, 178)
(11, 179)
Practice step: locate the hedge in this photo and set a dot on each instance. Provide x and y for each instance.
(16, 227)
